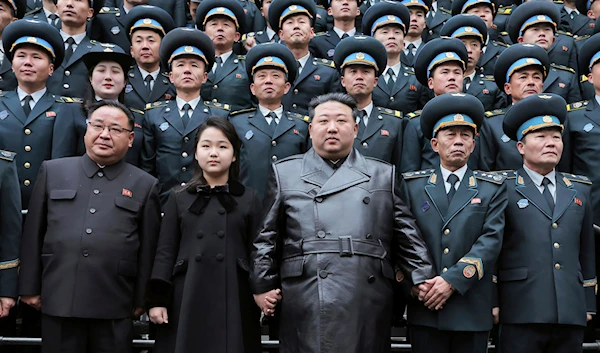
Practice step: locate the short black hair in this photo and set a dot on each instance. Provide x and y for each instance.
(113, 104)
(343, 98)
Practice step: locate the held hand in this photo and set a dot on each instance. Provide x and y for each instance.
(35, 301)
(589, 317)
(423, 289)
(249, 43)
(496, 314)
(267, 301)
(438, 294)
(5, 305)
(137, 312)
(158, 315)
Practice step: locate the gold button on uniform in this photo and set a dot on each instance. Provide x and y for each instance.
(26, 183)
(27, 148)
(557, 266)
(444, 270)
(446, 251)
(556, 245)
(554, 225)
(215, 86)
(27, 165)
(27, 132)
(447, 231)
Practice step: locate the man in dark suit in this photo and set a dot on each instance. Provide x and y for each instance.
(380, 130)
(170, 127)
(545, 297)
(148, 81)
(344, 14)
(268, 132)
(88, 276)
(397, 87)
(315, 76)
(223, 21)
(461, 215)
(10, 11)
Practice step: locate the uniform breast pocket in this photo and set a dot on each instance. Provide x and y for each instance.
(127, 204)
(62, 194)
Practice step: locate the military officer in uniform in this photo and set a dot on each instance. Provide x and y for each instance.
(440, 65)
(43, 10)
(380, 130)
(573, 14)
(265, 35)
(536, 22)
(10, 10)
(471, 30)
(546, 271)
(344, 14)
(224, 22)
(414, 37)
(520, 72)
(397, 87)
(435, 20)
(461, 215)
(69, 79)
(89, 240)
(110, 24)
(293, 20)
(148, 81)
(268, 132)
(170, 127)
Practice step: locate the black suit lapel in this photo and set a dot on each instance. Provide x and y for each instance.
(161, 86)
(40, 107)
(401, 81)
(308, 69)
(436, 191)
(228, 67)
(285, 123)
(173, 117)
(529, 190)
(137, 82)
(466, 191)
(592, 112)
(259, 122)
(565, 195)
(200, 115)
(14, 105)
(373, 126)
(82, 48)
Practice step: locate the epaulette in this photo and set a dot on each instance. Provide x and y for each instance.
(218, 105)
(106, 9)
(576, 178)
(508, 174)
(136, 111)
(325, 62)
(446, 11)
(304, 118)
(165, 74)
(392, 112)
(576, 106)
(558, 2)
(418, 174)
(583, 78)
(241, 57)
(63, 99)
(409, 70)
(7, 155)
(156, 105)
(502, 44)
(489, 177)
(237, 112)
(487, 78)
(565, 33)
(562, 67)
(495, 112)
(413, 114)
(580, 38)
(319, 34)
(504, 10)
(36, 10)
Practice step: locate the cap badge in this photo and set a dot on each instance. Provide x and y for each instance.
(188, 49)
(449, 55)
(147, 21)
(268, 59)
(360, 56)
(293, 8)
(32, 40)
(468, 29)
(547, 119)
(459, 117)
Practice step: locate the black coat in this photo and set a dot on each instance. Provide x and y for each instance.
(10, 225)
(90, 238)
(202, 258)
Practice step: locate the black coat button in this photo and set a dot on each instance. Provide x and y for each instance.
(220, 257)
(220, 234)
(371, 279)
(199, 257)
(366, 200)
(200, 235)
(221, 211)
(323, 274)
(86, 253)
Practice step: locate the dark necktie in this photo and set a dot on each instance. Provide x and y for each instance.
(186, 116)
(218, 63)
(275, 38)
(53, 19)
(148, 81)
(273, 123)
(361, 123)
(574, 14)
(69, 51)
(410, 55)
(390, 76)
(26, 105)
(345, 35)
(452, 179)
(466, 83)
(547, 194)
(299, 67)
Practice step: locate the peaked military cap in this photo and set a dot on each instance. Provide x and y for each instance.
(97, 5)
(231, 9)
(149, 17)
(532, 13)
(107, 52)
(281, 9)
(462, 6)
(33, 32)
(533, 113)
(187, 41)
(19, 7)
(360, 50)
(424, 4)
(436, 52)
(272, 55)
(451, 109)
(517, 57)
(589, 55)
(461, 26)
(385, 13)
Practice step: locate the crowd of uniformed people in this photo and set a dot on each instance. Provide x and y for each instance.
(96, 95)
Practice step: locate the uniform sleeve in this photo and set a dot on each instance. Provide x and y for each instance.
(574, 92)
(10, 230)
(566, 160)
(487, 147)
(411, 148)
(485, 250)
(587, 256)
(148, 159)
(65, 135)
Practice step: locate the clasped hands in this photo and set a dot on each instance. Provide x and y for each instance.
(268, 301)
(433, 292)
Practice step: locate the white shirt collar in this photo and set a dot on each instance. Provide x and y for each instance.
(598, 99)
(368, 109)
(303, 60)
(226, 56)
(48, 13)
(36, 96)
(460, 173)
(146, 73)
(472, 76)
(193, 103)
(417, 43)
(270, 33)
(537, 178)
(569, 10)
(264, 111)
(434, 7)
(340, 33)
(77, 37)
(395, 68)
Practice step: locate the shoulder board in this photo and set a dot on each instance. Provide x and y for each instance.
(321, 6)
(583, 78)
(392, 112)
(409, 69)
(304, 118)
(107, 9)
(508, 174)
(136, 111)
(564, 68)
(325, 62)
(36, 10)
(489, 177)
(237, 112)
(558, 2)
(504, 10)
(446, 10)
(488, 78)
(504, 33)
(241, 57)
(63, 99)
(217, 105)
(7, 155)
(418, 174)
(577, 178)
(580, 38)
(495, 112)
(577, 106)
(165, 74)
(156, 105)
(502, 44)
(414, 114)
(565, 33)
(319, 34)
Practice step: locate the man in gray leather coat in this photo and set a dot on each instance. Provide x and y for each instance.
(333, 232)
